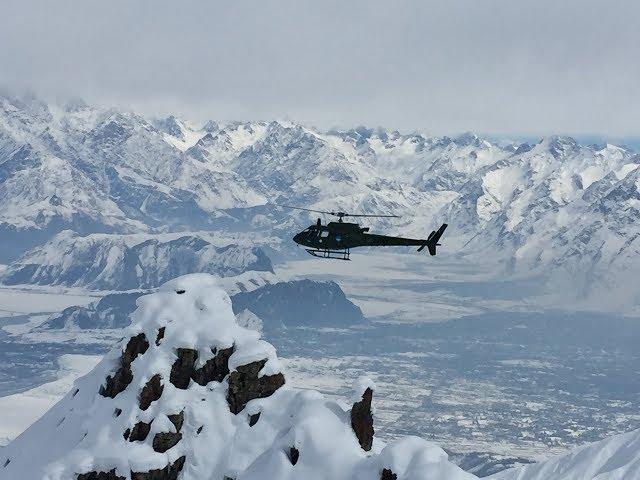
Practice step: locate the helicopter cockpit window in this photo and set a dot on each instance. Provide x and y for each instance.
(325, 234)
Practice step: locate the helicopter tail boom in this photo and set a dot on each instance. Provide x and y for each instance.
(432, 240)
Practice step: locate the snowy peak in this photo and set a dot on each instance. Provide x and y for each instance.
(189, 394)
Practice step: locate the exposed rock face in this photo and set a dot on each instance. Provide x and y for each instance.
(183, 368)
(111, 475)
(388, 475)
(160, 336)
(165, 440)
(215, 369)
(293, 455)
(177, 420)
(170, 472)
(362, 420)
(139, 432)
(122, 378)
(253, 419)
(245, 385)
(151, 392)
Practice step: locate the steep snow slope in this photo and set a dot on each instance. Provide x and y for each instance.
(22, 409)
(107, 262)
(615, 458)
(189, 393)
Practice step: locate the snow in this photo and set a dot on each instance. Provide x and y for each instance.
(614, 458)
(19, 411)
(82, 432)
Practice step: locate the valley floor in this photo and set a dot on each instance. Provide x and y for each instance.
(506, 379)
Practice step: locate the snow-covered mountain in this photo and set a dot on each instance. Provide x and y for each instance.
(555, 208)
(189, 394)
(300, 303)
(110, 262)
(614, 458)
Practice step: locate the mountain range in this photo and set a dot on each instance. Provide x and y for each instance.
(557, 209)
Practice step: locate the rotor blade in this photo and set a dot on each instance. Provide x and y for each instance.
(337, 214)
(305, 209)
(378, 216)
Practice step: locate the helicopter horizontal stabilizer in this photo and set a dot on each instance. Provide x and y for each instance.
(432, 239)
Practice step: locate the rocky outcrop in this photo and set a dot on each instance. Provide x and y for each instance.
(245, 385)
(170, 472)
(165, 440)
(362, 420)
(215, 369)
(138, 433)
(151, 392)
(253, 419)
(294, 455)
(183, 368)
(177, 419)
(387, 474)
(111, 475)
(160, 336)
(122, 378)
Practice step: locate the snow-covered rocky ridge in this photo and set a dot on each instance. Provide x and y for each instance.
(190, 395)
(557, 209)
(111, 262)
(614, 458)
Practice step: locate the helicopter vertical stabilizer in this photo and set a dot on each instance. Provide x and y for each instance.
(433, 238)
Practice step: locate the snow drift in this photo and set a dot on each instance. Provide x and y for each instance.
(188, 394)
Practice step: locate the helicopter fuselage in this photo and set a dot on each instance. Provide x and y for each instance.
(344, 235)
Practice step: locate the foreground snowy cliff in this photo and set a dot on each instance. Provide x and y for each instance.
(188, 394)
(614, 458)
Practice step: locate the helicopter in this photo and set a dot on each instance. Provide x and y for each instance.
(335, 239)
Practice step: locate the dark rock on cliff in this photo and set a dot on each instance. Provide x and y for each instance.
(110, 475)
(362, 420)
(388, 475)
(139, 432)
(151, 392)
(214, 369)
(165, 440)
(244, 385)
(182, 369)
(170, 472)
(122, 378)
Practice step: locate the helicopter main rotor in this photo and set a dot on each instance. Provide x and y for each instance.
(340, 215)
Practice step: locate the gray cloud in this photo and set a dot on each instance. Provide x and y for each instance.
(492, 66)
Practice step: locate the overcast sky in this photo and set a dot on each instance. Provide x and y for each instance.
(445, 66)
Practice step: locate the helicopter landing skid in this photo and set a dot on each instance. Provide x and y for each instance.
(328, 253)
